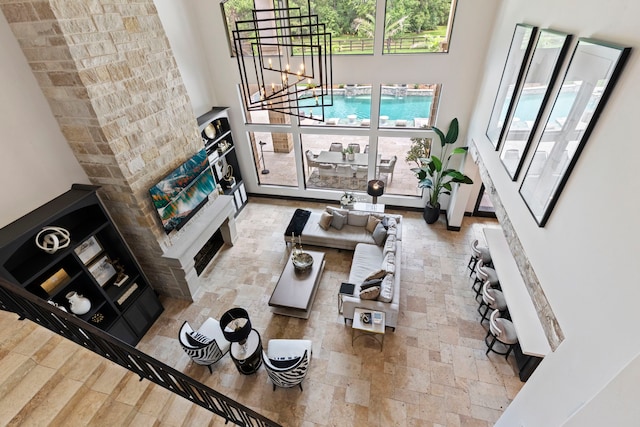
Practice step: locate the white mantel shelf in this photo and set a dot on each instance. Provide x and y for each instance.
(531, 335)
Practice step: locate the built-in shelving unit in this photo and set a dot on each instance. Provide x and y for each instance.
(96, 264)
(217, 137)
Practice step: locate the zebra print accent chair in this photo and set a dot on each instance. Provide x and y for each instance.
(205, 346)
(287, 361)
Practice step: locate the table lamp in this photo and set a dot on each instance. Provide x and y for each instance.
(375, 188)
(236, 325)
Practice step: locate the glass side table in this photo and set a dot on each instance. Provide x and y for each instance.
(374, 328)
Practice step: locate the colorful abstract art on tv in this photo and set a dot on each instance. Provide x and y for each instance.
(180, 194)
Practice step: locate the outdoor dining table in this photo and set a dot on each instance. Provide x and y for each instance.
(335, 157)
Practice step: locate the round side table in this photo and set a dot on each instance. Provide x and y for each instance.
(248, 361)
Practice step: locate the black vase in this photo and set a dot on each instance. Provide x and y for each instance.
(431, 213)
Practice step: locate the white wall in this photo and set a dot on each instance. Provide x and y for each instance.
(585, 256)
(187, 45)
(36, 164)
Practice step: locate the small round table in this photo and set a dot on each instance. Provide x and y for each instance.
(248, 361)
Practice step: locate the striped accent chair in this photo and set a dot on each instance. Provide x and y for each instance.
(287, 362)
(205, 346)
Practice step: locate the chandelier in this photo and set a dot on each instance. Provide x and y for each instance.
(284, 59)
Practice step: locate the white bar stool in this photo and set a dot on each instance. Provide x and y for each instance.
(502, 331)
(478, 253)
(492, 299)
(483, 274)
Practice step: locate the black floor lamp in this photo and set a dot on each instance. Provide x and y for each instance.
(264, 166)
(375, 188)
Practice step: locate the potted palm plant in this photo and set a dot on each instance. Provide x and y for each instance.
(435, 174)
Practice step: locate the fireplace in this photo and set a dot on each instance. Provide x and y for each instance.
(208, 251)
(200, 239)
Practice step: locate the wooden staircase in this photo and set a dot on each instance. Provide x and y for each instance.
(47, 380)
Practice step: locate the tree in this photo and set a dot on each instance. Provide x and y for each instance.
(367, 26)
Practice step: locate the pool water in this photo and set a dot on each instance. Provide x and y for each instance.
(406, 108)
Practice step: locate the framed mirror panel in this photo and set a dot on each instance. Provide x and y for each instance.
(534, 92)
(590, 77)
(521, 43)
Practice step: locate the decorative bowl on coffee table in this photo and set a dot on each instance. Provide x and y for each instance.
(302, 262)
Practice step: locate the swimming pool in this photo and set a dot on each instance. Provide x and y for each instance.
(406, 108)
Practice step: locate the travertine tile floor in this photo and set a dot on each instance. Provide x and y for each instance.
(432, 371)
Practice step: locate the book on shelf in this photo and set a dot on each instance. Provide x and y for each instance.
(127, 294)
(58, 278)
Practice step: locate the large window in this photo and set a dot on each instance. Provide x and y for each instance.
(274, 158)
(408, 105)
(381, 147)
(413, 105)
(394, 167)
(411, 26)
(417, 26)
(368, 130)
(328, 165)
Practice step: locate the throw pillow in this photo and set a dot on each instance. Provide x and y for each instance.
(338, 220)
(389, 263)
(379, 234)
(379, 274)
(392, 231)
(333, 210)
(386, 288)
(389, 245)
(358, 219)
(369, 283)
(283, 364)
(389, 258)
(371, 223)
(370, 293)
(325, 220)
(385, 222)
(196, 339)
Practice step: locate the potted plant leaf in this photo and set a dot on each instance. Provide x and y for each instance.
(435, 174)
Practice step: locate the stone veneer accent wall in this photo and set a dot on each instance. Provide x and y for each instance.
(547, 318)
(109, 75)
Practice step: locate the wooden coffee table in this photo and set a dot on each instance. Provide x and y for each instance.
(295, 292)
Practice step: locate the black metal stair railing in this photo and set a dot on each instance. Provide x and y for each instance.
(27, 306)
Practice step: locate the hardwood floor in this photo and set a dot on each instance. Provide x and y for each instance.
(432, 371)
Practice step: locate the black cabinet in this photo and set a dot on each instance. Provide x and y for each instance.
(217, 137)
(96, 263)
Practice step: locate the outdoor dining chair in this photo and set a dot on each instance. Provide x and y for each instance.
(336, 146)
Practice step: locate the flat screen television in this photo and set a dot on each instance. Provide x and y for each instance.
(180, 194)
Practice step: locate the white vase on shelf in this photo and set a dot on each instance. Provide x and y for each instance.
(79, 305)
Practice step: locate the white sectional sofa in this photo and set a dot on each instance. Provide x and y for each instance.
(368, 257)
(346, 238)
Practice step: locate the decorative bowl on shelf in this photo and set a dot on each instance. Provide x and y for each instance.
(302, 262)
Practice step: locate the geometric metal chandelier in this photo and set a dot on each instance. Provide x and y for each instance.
(284, 59)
